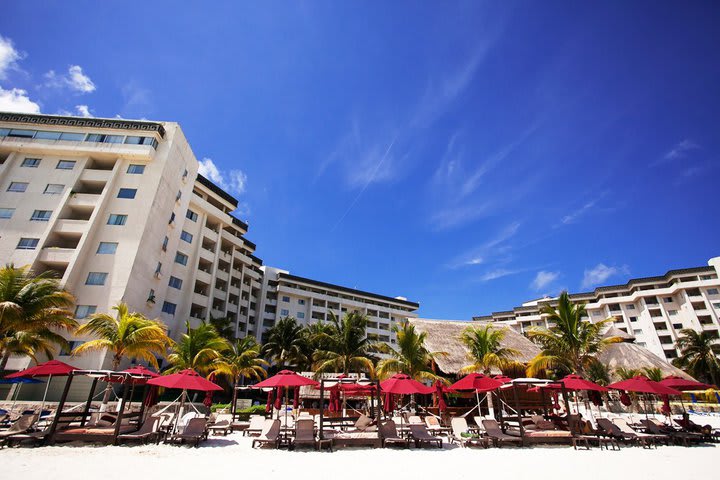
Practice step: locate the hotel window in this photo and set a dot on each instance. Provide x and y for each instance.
(96, 278)
(677, 326)
(638, 332)
(285, 299)
(116, 219)
(633, 319)
(158, 269)
(65, 165)
(53, 189)
(165, 244)
(136, 169)
(181, 258)
(6, 213)
(17, 187)
(107, 248)
(178, 196)
(30, 163)
(175, 283)
(48, 135)
(71, 137)
(185, 174)
(284, 312)
(712, 291)
(21, 133)
(301, 314)
(172, 218)
(192, 215)
(127, 193)
(186, 237)
(169, 308)
(84, 311)
(630, 306)
(667, 299)
(715, 305)
(672, 312)
(41, 215)
(301, 301)
(28, 243)
(132, 140)
(96, 137)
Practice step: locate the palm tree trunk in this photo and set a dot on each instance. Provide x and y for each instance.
(233, 405)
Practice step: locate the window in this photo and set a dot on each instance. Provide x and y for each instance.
(6, 213)
(53, 189)
(136, 169)
(41, 215)
(638, 332)
(284, 312)
(72, 137)
(21, 133)
(596, 314)
(677, 326)
(181, 258)
(630, 306)
(30, 163)
(185, 174)
(712, 291)
(96, 278)
(127, 193)
(116, 219)
(672, 312)
(186, 237)
(172, 218)
(28, 243)
(165, 244)
(158, 268)
(175, 283)
(286, 299)
(667, 299)
(300, 314)
(131, 140)
(48, 135)
(715, 305)
(107, 248)
(178, 196)
(301, 301)
(169, 308)
(633, 319)
(65, 165)
(192, 215)
(96, 137)
(84, 311)
(18, 187)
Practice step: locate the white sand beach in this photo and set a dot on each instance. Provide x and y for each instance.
(221, 457)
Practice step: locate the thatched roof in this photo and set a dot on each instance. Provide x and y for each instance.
(444, 336)
(616, 332)
(633, 356)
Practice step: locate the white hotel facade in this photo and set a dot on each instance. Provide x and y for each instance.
(117, 210)
(651, 309)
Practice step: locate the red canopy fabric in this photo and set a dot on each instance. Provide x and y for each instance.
(286, 378)
(152, 397)
(682, 384)
(141, 370)
(401, 384)
(442, 406)
(642, 384)
(576, 382)
(186, 380)
(389, 402)
(52, 367)
(269, 404)
(502, 378)
(278, 398)
(296, 398)
(476, 382)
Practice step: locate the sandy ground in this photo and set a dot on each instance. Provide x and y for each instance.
(222, 457)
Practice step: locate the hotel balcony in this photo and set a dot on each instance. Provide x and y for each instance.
(70, 228)
(56, 255)
(83, 201)
(91, 175)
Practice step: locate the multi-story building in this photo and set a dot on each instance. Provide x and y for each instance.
(117, 210)
(311, 301)
(652, 309)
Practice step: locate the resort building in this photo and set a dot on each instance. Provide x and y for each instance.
(652, 310)
(117, 210)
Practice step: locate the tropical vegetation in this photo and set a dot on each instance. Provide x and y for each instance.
(485, 349)
(241, 360)
(411, 356)
(699, 355)
(285, 342)
(346, 346)
(199, 348)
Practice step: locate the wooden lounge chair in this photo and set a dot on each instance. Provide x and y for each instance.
(257, 422)
(421, 436)
(147, 432)
(656, 427)
(389, 435)
(195, 431)
(619, 429)
(304, 433)
(21, 425)
(461, 434)
(35, 438)
(221, 426)
(270, 434)
(434, 427)
(415, 420)
(495, 433)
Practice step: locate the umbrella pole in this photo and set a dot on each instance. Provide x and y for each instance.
(17, 394)
(47, 386)
(180, 410)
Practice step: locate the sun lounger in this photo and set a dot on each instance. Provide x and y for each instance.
(270, 434)
(221, 426)
(620, 430)
(257, 422)
(434, 427)
(389, 435)
(461, 434)
(147, 432)
(656, 427)
(304, 433)
(195, 431)
(35, 438)
(21, 425)
(495, 433)
(415, 420)
(421, 436)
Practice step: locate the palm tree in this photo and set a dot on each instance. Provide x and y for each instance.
(572, 342)
(485, 349)
(411, 356)
(33, 308)
(699, 355)
(284, 343)
(314, 338)
(598, 372)
(129, 334)
(198, 349)
(224, 327)
(627, 373)
(653, 373)
(241, 360)
(347, 346)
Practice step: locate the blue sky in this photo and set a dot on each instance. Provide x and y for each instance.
(466, 155)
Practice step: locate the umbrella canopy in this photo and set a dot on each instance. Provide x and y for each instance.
(286, 378)
(389, 402)
(682, 384)
(576, 382)
(502, 378)
(186, 380)
(642, 384)
(140, 370)
(401, 384)
(269, 404)
(52, 367)
(476, 382)
(278, 398)
(442, 406)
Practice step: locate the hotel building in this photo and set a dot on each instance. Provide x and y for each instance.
(117, 210)
(652, 309)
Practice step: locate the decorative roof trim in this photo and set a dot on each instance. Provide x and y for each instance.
(217, 190)
(58, 120)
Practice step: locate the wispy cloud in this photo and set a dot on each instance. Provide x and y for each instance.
(17, 100)
(490, 251)
(572, 217)
(9, 56)
(234, 181)
(137, 100)
(498, 273)
(454, 216)
(543, 279)
(678, 151)
(75, 80)
(600, 273)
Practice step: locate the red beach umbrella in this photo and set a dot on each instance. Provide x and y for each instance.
(682, 384)
(331, 401)
(296, 398)
(186, 380)
(476, 382)
(442, 406)
(269, 404)
(576, 382)
(47, 369)
(152, 397)
(625, 399)
(389, 402)
(140, 370)
(401, 384)
(278, 398)
(642, 384)
(286, 378)
(207, 401)
(502, 378)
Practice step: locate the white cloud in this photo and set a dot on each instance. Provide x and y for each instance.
(600, 273)
(490, 251)
(495, 274)
(17, 100)
(450, 217)
(83, 110)
(234, 181)
(681, 150)
(543, 279)
(573, 216)
(75, 79)
(8, 56)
